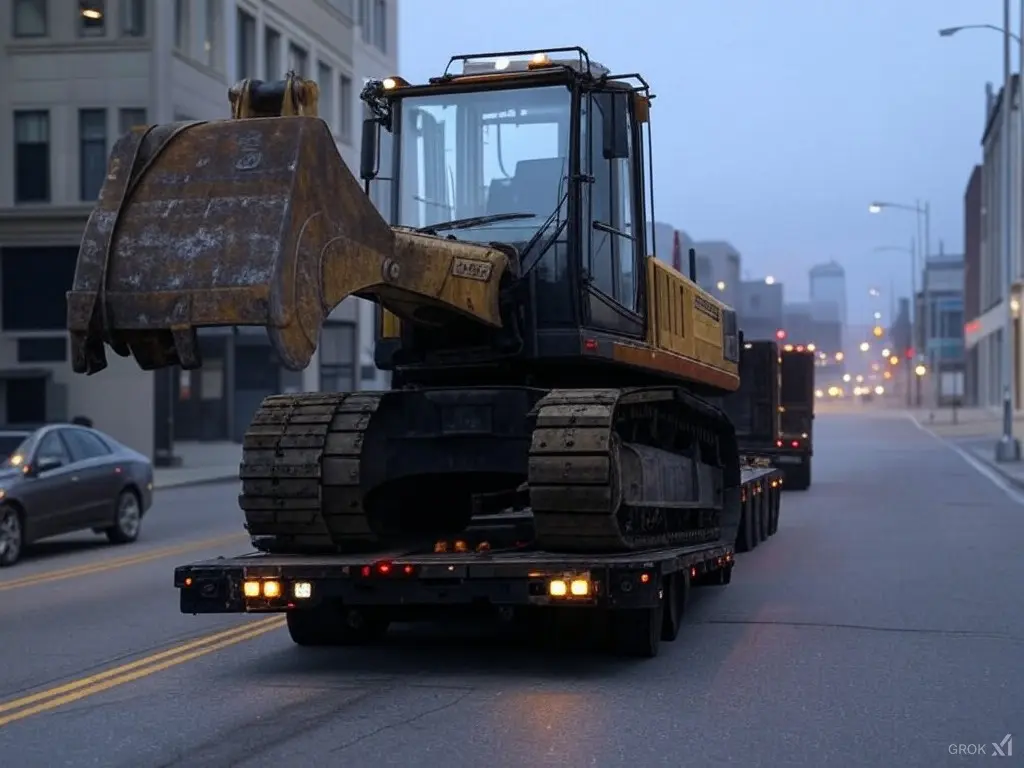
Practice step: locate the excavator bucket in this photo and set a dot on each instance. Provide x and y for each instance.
(252, 222)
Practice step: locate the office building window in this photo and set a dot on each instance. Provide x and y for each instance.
(272, 54)
(298, 60)
(43, 349)
(92, 152)
(246, 46)
(363, 20)
(337, 357)
(34, 282)
(325, 79)
(380, 25)
(210, 34)
(92, 18)
(130, 118)
(29, 18)
(133, 18)
(32, 157)
(345, 108)
(181, 26)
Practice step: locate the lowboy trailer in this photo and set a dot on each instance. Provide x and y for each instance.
(352, 599)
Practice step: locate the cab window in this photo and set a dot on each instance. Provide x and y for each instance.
(610, 236)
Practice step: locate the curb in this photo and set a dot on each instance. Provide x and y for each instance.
(983, 459)
(219, 479)
(1015, 481)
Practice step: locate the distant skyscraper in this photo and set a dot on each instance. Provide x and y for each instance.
(828, 286)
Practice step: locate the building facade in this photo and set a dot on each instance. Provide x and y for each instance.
(828, 286)
(984, 333)
(972, 281)
(79, 75)
(941, 332)
(760, 310)
(718, 269)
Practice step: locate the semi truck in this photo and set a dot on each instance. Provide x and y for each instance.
(551, 438)
(796, 410)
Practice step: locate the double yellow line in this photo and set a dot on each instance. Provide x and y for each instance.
(61, 695)
(120, 562)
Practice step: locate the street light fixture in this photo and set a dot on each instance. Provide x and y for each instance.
(950, 31)
(769, 280)
(1008, 447)
(864, 346)
(721, 285)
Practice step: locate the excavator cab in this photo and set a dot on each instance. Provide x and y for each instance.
(541, 151)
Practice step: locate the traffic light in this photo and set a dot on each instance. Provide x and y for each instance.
(780, 334)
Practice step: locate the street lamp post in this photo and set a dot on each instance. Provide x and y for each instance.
(923, 214)
(1008, 447)
(914, 320)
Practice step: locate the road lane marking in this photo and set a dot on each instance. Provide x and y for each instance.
(88, 569)
(61, 695)
(979, 466)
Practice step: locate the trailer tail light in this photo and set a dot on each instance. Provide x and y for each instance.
(386, 568)
(795, 443)
(571, 585)
(778, 443)
(251, 589)
(302, 590)
(267, 588)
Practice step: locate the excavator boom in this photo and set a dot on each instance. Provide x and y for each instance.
(254, 220)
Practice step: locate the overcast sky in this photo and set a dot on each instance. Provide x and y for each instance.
(776, 121)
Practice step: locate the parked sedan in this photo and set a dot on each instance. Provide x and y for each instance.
(64, 478)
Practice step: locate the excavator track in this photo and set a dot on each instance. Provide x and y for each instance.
(615, 470)
(300, 472)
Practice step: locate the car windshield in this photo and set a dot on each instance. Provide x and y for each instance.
(478, 154)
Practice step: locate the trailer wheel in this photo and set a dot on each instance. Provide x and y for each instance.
(677, 593)
(799, 477)
(636, 632)
(721, 577)
(745, 540)
(764, 515)
(332, 625)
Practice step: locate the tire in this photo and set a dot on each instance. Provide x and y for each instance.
(127, 519)
(330, 625)
(799, 478)
(12, 535)
(745, 540)
(677, 593)
(720, 577)
(636, 632)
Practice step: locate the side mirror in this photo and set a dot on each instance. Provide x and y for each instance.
(615, 125)
(46, 463)
(368, 150)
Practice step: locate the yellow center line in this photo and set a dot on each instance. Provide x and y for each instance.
(122, 562)
(68, 693)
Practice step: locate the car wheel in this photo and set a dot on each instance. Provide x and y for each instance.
(11, 536)
(127, 519)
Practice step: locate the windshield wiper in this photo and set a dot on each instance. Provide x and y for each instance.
(474, 221)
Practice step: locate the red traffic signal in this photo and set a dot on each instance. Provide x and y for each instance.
(910, 353)
(780, 334)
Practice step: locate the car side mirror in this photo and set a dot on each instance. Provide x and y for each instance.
(46, 463)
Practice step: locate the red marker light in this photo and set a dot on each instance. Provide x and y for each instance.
(780, 334)
(796, 443)
(366, 570)
(384, 568)
(590, 345)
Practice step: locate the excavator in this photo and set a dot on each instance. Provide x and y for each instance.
(541, 359)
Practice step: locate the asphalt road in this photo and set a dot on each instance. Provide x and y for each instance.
(881, 625)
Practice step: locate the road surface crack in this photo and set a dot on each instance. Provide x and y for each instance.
(969, 633)
(405, 721)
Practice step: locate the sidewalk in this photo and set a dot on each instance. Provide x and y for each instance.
(200, 463)
(976, 433)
